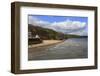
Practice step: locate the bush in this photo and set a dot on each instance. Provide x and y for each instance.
(34, 41)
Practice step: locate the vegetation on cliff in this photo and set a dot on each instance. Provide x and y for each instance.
(46, 34)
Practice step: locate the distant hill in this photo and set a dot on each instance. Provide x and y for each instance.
(45, 33)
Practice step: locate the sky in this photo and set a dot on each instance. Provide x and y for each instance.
(60, 18)
(65, 24)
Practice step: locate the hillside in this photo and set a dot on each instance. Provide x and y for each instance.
(45, 33)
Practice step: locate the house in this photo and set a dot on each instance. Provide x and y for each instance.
(29, 35)
(34, 39)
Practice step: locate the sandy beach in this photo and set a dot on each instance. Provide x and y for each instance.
(45, 43)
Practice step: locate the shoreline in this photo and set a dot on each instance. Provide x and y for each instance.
(45, 43)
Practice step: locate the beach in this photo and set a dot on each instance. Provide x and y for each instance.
(45, 43)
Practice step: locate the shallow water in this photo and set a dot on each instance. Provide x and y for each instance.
(69, 49)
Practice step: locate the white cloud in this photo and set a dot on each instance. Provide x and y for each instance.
(36, 22)
(80, 32)
(67, 26)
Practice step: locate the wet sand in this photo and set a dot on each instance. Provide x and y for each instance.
(69, 49)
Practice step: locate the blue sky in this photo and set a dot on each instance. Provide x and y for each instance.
(66, 24)
(60, 18)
